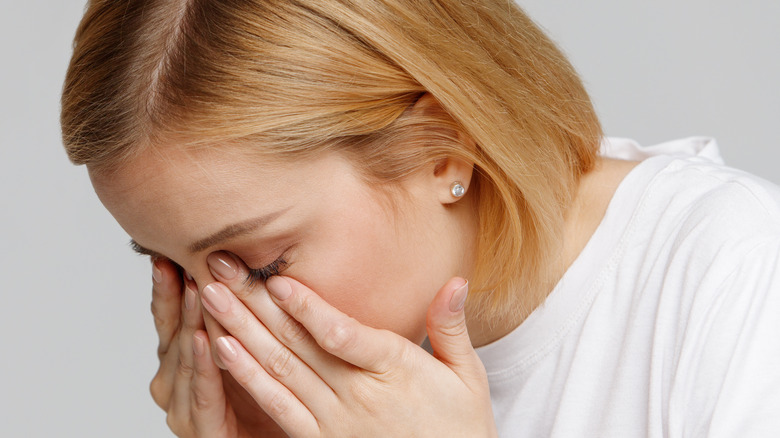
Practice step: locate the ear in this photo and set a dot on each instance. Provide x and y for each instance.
(452, 179)
(447, 172)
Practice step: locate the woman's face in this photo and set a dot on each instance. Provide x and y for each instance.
(379, 264)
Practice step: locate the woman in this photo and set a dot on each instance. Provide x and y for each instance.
(315, 180)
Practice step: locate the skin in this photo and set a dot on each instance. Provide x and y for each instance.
(588, 207)
(337, 235)
(338, 355)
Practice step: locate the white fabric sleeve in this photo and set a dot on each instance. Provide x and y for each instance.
(731, 386)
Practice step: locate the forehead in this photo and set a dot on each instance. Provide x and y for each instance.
(179, 176)
(198, 192)
(176, 165)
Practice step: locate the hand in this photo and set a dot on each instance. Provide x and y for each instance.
(317, 372)
(200, 399)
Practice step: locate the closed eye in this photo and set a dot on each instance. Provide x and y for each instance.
(266, 272)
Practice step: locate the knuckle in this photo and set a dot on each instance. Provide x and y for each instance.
(454, 331)
(163, 325)
(245, 377)
(278, 405)
(303, 307)
(363, 396)
(200, 401)
(241, 322)
(159, 322)
(162, 349)
(158, 293)
(172, 423)
(175, 424)
(158, 308)
(280, 362)
(160, 393)
(201, 373)
(292, 331)
(184, 369)
(402, 354)
(338, 338)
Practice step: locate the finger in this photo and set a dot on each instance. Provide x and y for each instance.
(232, 272)
(166, 309)
(274, 398)
(161, 386)
(447, 332)
(215, 331)
(166, 301)
(192, 321)
(344, 337)
(225, 264)
(208, 403)
(276, 359)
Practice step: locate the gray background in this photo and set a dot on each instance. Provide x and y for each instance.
(78, 347)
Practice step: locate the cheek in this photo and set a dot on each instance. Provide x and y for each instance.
(375, 304)
(364, 267)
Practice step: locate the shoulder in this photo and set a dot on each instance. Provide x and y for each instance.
(708, 237)
(689, 195)
(714, 206)
(704, 221)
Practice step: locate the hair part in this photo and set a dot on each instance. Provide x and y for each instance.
(290, 78)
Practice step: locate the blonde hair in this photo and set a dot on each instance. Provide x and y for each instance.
(299, 77)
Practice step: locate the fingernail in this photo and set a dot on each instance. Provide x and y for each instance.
(156, 273)
(198, 346)
(222, 265)
(189, 298)
(226, 350)
(216, 297)
(188, 276)
(458, 299)
(189, 283)
(279, 287)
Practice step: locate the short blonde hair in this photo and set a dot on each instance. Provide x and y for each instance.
(299, 77)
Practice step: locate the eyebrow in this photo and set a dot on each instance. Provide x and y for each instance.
(229, 232)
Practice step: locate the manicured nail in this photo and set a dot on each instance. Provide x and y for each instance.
(226, 350)
(279, 287)
(222, 265)
(216, 297)
(458, 299)
(189, 283)
(189, 298)
(157, 275)
(198, 345)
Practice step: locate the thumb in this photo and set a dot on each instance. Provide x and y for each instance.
(447, 330)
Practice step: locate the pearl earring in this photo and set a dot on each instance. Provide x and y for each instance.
(457, 189)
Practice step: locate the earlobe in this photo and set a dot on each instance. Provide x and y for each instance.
(453, 178)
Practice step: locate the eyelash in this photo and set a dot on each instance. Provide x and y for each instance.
(254, 275)
(266, 272)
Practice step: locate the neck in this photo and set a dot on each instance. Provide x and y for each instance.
(583, 217)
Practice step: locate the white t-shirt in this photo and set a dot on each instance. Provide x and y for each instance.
(668, 322)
